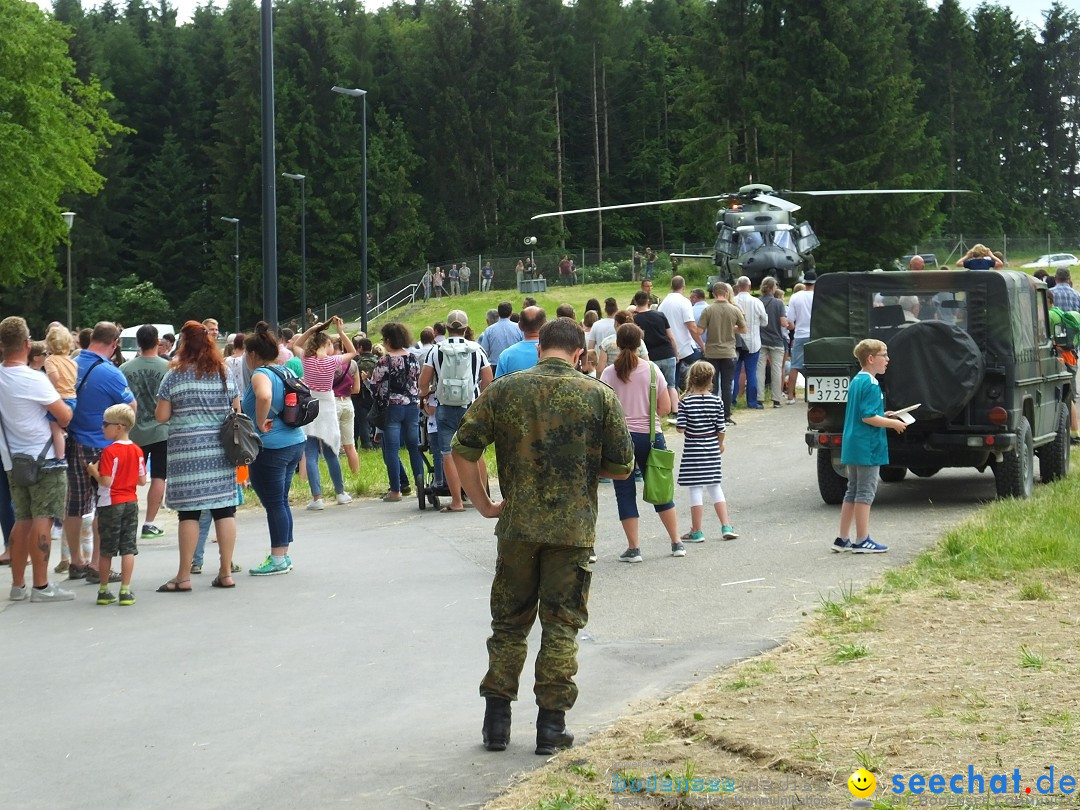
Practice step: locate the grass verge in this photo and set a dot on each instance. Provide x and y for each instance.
(968, 656)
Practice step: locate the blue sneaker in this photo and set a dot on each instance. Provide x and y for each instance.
(868, 546)
(694, 537)
(270, 568)
(841, 545)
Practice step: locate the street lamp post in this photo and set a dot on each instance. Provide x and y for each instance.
(303, 243)
(69, 218)
(362, 94)
(236, 262)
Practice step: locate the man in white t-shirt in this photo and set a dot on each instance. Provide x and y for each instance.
(689, 347)
(26, 396)
(603, 328)
(756, 318)
(449, 416)
(798, 313)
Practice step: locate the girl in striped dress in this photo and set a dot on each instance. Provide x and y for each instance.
(701, 421)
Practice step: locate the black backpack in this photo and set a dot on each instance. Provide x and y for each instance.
(307, 407)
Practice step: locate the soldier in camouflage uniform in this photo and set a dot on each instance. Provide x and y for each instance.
(555, 432)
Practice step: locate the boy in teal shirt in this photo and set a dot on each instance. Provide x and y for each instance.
(864, 447)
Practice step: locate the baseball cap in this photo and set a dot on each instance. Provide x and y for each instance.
(457, 319)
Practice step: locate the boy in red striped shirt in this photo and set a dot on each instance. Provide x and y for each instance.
(120, 469)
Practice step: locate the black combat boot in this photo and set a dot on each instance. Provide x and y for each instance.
(551, 732)
(497, 724)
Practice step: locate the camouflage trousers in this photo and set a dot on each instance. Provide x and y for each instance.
(553, 581)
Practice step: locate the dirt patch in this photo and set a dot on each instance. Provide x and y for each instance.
(930, 681)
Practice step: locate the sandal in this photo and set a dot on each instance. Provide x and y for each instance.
(173, 586)
(219, 582)
(447, 510)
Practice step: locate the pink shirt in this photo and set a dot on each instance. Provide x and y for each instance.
(634, 395)
(319, 372)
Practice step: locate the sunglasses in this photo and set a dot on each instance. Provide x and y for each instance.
(108, 424)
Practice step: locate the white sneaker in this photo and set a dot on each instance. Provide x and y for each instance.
(316, 506)
(344, 497)
(51, 593)
(19, 593)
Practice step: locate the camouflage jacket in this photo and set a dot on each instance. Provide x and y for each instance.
(554, 431)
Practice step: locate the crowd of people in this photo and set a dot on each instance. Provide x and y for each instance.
(177, 390)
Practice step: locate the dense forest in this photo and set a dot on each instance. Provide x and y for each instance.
(481, 114)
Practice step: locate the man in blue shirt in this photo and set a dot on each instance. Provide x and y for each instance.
(502, 334)
(526, 353)
(1065, 297)
(99, 385)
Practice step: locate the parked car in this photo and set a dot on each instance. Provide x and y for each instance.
(1054, 260)
(978, 361)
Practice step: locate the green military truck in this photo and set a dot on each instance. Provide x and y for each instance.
(972, 349)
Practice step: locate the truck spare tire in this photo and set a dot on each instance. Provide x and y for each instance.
(933, 363)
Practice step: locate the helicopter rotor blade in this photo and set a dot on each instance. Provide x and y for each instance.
(837, 192)
(631, 205)
(779, 202)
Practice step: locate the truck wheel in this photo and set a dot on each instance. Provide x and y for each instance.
(893, 474)
(1054, 457)
(1014, 475)
(831, 484)
(926, 472)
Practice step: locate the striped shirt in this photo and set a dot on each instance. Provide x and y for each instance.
(701, 418)
(319, 372)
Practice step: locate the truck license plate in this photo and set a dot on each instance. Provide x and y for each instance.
(827, 389)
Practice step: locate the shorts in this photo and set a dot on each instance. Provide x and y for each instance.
(448, 417)
(221, 513)
(797, 361)
(157, 459)
(71, 403)
(345, 416)
(82, 490)
(862, 483)
(45, 499)
(667, 368)
(118, 525)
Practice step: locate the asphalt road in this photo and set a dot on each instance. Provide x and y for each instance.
(353, 680)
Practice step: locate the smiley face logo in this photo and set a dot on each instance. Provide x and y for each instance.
(862, 783)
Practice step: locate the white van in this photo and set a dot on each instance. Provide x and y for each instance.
(129, 347)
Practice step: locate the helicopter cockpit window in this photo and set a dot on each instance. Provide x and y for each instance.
(783, 239)
(750, 241)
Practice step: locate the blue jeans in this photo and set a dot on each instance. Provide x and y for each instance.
(682, 368)
(749, 362)
(205, 521)
(312, 448)
(271, 478)
(402, 425)
(626, 490)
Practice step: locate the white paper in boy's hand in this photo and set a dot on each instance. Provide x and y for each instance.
(908, 409)
(905, 417)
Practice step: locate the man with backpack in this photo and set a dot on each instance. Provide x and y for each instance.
(456, 372)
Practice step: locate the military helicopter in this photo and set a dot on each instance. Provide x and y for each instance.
(757, 235)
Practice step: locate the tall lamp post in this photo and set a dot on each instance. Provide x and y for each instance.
(236, 263)
(362, 94)
(69, 218)
(303, 243)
